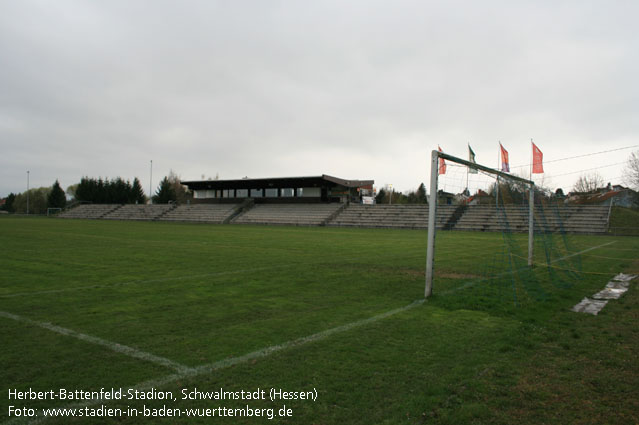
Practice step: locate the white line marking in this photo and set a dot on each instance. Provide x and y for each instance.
(225, 363)
(581, 252)
(113, 346)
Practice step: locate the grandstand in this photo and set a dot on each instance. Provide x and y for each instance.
(331, 201)
(201, 213)
(89, 211)
(139, 212)
(390, 216)
(584, 219)
(291, 214)
(569, 219)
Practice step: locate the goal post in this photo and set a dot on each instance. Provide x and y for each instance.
(53, 211)
(432, 208)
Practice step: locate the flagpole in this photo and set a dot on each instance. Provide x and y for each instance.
(531, 159)
(497, 182)
(467, 169)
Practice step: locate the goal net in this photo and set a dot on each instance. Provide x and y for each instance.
(494, 235)
(53, 211)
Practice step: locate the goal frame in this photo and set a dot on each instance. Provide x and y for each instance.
(52, 211)
(432, 209)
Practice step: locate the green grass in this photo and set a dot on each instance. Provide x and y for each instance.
(624, 221)
(485, 348)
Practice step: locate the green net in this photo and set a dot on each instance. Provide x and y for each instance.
(481, 249)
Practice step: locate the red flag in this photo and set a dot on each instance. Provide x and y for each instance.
(505, 166)
(538, 159)
(442, 163)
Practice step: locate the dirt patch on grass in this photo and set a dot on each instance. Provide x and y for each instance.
(634, 267)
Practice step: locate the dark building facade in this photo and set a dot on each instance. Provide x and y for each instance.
(322, 188)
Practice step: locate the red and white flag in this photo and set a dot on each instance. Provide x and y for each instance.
(442, 163)
(505, 165)
(538, 160)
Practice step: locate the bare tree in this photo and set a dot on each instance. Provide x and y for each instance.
(71, 190)
(588, 183)
(182, 195)
(631, 172)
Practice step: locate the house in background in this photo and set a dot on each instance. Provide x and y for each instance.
(616, 195)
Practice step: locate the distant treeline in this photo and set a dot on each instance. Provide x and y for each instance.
(35, 200)
(393, 197)
(116, 191)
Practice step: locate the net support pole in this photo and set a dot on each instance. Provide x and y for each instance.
(432, 215)
(531, 224)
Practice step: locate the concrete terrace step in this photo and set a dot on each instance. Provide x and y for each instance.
(89, 211)
(209, 213)
(139, 212)
(567, 219)
(390, 216)
(293, 214)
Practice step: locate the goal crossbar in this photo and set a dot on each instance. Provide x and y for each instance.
(432, 209)
(483, 168)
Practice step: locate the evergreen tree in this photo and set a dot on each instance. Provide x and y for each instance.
(119, 191)
(381, 196)
(421, 194)
(8, 204)
(83, 190)
(137, 194)
(56, 197)
(165, 192)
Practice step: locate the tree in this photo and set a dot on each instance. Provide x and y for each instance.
(8, 203)
(137, 193)
(588, 183)
(165, 193)
(37, 201)
(56, 197)
(631, 172)
(421, 194)
(381, 196)
(71, 190)
(116, 191)
(181, 192)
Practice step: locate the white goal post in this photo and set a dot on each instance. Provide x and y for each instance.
(432, 209)
(52, 211)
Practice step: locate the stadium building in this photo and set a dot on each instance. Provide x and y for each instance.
(312, 189)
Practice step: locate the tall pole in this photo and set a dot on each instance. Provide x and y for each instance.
(497, 181)
(467, 170)
(151, 184)
(390, 194)
(531, 159)
(27, 191)
(432, 213)
(531, 213)
(531, 217)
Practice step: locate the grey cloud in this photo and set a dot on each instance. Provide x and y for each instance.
(357, 89)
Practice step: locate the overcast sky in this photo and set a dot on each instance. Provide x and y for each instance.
(354, 89)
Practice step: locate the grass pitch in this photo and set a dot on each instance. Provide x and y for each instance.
(326, 310)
